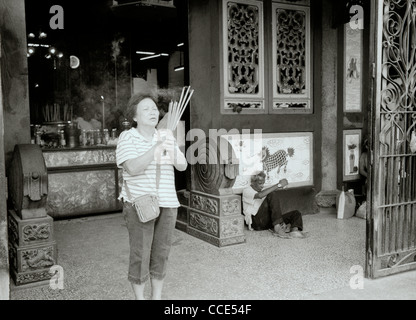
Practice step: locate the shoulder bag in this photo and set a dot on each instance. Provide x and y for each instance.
(147, 206)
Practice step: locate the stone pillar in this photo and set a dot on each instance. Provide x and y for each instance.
(214, 212)
(14, 110)
(14, 74)
(32, 249)
(4, 261)
(326, 198)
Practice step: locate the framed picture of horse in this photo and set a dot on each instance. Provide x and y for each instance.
(280, 155)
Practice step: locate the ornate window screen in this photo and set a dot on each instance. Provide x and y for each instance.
(243, 48)
(292, 87)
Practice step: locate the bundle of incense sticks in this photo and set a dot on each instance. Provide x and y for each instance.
(176, 109)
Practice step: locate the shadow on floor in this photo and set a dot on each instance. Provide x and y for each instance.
(93, 253)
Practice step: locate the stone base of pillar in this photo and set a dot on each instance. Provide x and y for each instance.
(32, 249)
(216, 241)
(216, 219)
(34, 278)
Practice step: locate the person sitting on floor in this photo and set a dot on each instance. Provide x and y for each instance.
(262, 209)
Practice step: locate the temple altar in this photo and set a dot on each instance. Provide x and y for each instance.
(82, 181)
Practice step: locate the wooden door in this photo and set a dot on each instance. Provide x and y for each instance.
(391, 222)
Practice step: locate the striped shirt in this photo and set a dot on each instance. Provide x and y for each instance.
(132, 144)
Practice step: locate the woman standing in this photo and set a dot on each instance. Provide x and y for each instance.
(148, 155)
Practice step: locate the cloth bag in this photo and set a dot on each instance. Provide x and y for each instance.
(147, 206)
(413, 142)
(362, 211)
(345, 204)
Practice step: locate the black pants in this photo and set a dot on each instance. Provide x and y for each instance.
(270, 214)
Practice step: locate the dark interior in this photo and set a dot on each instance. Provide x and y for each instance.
(104, 35)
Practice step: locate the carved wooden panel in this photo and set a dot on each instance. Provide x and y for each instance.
(292, 87)
(243, 56)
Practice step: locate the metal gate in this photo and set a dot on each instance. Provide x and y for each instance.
(391, 222)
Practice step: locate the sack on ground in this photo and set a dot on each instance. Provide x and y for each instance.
(147, 207)
(362, 211)
(345, 204)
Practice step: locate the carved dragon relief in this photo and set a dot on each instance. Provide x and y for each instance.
(230, 207)
(201, 222)
(230, 228)
(204, 204)
(37, 258)
(34, 232)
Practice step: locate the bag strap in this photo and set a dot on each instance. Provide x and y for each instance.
(157, 183)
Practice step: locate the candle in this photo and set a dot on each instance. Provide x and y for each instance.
(103, 114)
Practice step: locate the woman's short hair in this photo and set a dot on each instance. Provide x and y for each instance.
(255, 177)
(134, 101)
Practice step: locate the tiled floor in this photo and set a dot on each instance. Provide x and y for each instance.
(94, 255)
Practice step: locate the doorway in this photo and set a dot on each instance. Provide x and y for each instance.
(391, 235)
